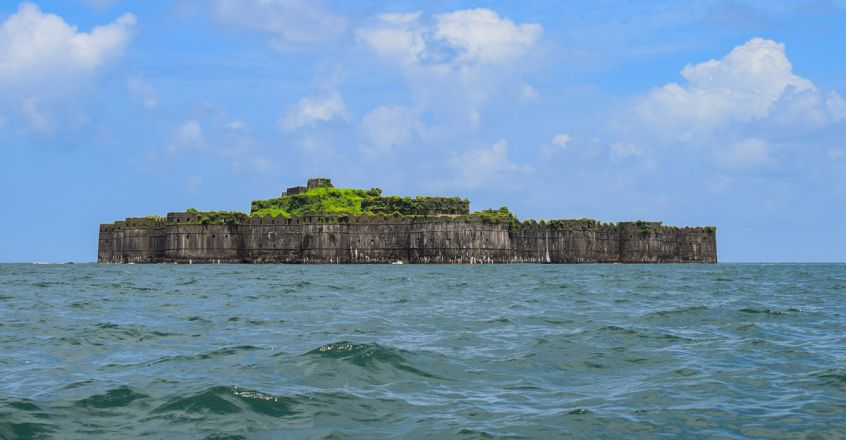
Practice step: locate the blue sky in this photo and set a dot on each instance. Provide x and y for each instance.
(726, 113)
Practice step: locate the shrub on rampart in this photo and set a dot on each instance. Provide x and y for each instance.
(584, 224)
(501, 215)
(416, 206)
(221, 218)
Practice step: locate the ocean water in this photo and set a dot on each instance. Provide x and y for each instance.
(394, 352)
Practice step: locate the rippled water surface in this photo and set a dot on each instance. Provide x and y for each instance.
(382, 352)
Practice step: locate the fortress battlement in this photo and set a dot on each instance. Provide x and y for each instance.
(319, 223)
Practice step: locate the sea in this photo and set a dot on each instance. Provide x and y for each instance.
(734, 351)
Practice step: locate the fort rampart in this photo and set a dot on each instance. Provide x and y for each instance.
(341, 238)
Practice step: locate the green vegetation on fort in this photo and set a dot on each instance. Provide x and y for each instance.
(217, 217)
(357, 202)
(419, 205)
(501, 215)
(645, 227)
(582, 224)
(361, 202)
(221, 218)
(338, 200)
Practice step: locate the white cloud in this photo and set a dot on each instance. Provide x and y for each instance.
(480, 35)
(758, 66)
(798, 110)
(455, 64)
(561, 140)
(836, 105)
(476, 168)
(559, 143)
(188, 136)
(145, 92)
(395, 37)
(744, 154)
(621, 151)
(38, 120)
(462, 37)
(387, 127)
(35, 44)
(292, 23)
(311, 111)
(47, 65)
(742, 86)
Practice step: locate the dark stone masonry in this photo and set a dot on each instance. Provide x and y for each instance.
(454, 237)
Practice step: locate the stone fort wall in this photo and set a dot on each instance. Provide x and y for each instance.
(384, 239)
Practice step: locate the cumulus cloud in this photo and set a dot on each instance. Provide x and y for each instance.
(38, 120)
(742, 86)
(745, 154)
(747, 111)
(397, 37)
(311, 111)
(46, 64)
(479, 167)
(455, 65)
(291, 23)
(621, 151)
(387, 127)
(34, 44)
(558, 144)
(836, 105)
(798, 111)
(218, 137)
(480, 35)
(466, 36)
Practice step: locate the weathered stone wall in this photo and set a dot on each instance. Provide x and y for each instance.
(295, 190)
(383, 239)
(133, 240)
(459, 240)
(318, 182)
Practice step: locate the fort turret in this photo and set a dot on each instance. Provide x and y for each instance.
(317, 182)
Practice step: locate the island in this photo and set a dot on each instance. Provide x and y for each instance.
(319, 223)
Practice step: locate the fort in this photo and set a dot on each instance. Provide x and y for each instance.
(318, 223)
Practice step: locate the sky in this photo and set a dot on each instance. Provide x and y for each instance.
(725, 113)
